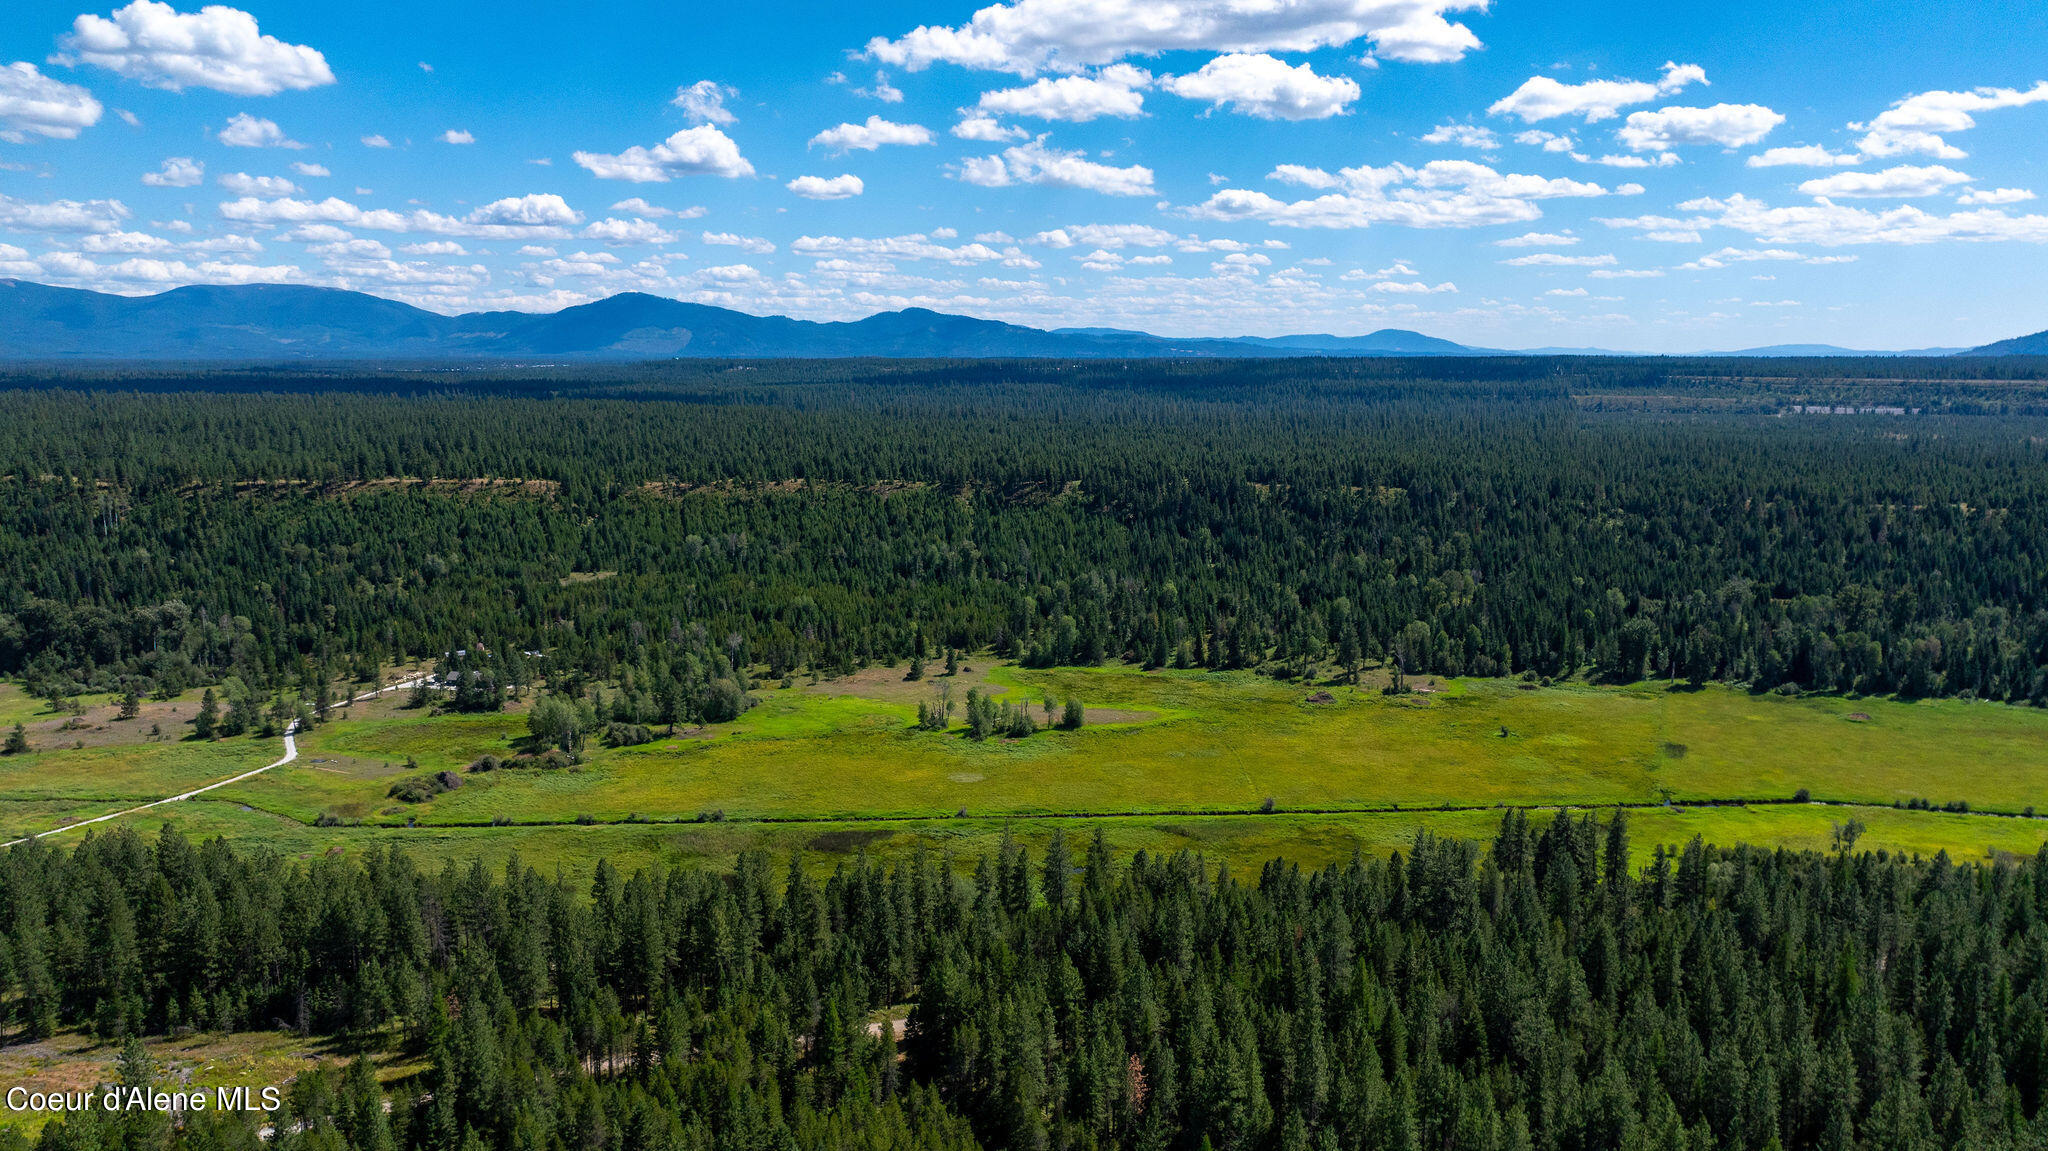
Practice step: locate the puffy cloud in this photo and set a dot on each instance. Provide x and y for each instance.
(1901, 181)
(246, 131)
(1411, 288)
(155, 274)
(435, 248)
(752, 245)
(699, 151)
(352, 249)
(871, 135)
(538, 216)
(822, 188)
(634, 231)
(1464, 136)
(1104, 236)
(704, 102)
(1834, 225)
(916, 246)
(1543, 98)
(376, 142)
(1557, 260)
(269, 187)
(1538, 240)
(32, 104)
(457, 136)
(1803, 156)
(124, 244)
(1034, 163)
(1916, 123)
(1727, 256)
(1076, 99)
(975, 126)
(61, 215)
(315, 171)
(177, 172)
(635, 206)
(1262, 86)
(216, 47)
(1241, 264)
(1729, 125)
(1030, 36)
(314, 234)
(1995, 196)
(1440, 194)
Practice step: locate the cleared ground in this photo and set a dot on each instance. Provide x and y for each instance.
(1168, 760)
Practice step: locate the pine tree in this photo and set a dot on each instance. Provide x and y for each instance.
(207, 722)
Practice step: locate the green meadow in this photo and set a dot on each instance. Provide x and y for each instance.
(1241, 767)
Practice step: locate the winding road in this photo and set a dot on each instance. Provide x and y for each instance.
(291, 752)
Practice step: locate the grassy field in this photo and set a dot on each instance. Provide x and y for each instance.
(1202, 742)
(1168, 760)
(1244, 842)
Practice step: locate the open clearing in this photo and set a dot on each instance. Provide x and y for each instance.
(1169, 760)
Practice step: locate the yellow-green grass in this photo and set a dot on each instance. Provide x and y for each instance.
(18, 706)
(1244, 842)
(1212, 743)
(130, 772)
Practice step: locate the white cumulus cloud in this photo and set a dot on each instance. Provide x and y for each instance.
(177, 172)
(1905, 180)
(871, 135)
(975, 126)
(752, 245)
(1917, 123)
(246, 131)
(1803, 156)
(1729, 125)
(699, 151)
(1075, 99)
(1257, 84)
(704, 102)
(1440, 194)
(457, 136)
(1464, 136)
(1544, 98)
(1030, 36)
(827, 188)
(1034, 163)
(1995, 196)
(216, 47)
(32, 104)
(269, 187)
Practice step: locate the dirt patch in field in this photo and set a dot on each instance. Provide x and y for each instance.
(888, 684)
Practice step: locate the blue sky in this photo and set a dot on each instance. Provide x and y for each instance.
(1659, 177)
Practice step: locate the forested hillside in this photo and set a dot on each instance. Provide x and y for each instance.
(1543, 997)
(671, 527)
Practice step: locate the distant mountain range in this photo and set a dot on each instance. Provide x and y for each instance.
(282, 321)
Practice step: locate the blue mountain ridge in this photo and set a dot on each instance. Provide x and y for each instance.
(285, 322)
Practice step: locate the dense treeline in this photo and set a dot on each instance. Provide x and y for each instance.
(1544, 996)
(1299, 518)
